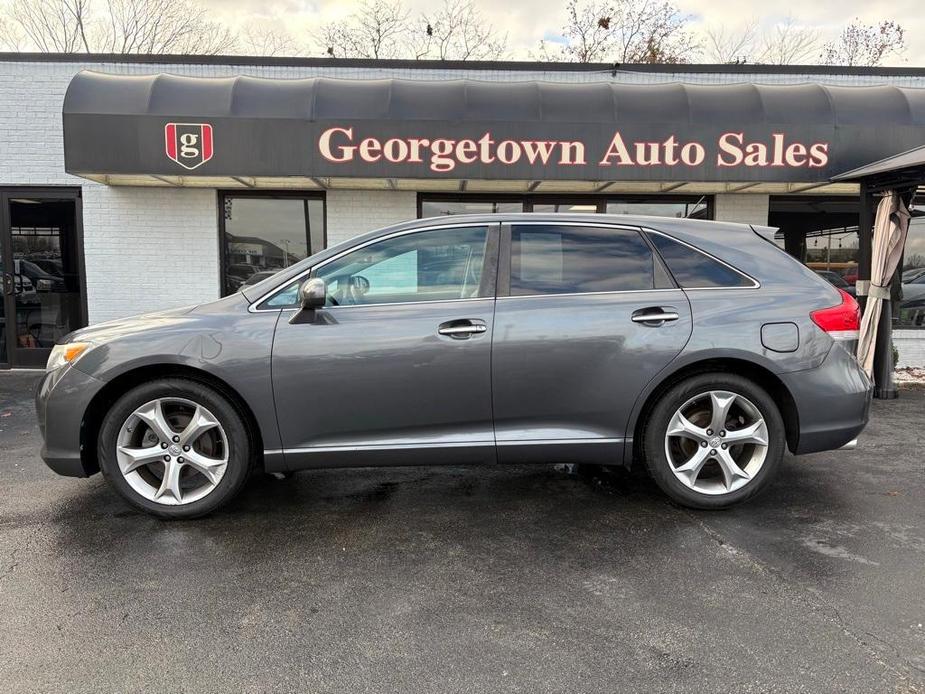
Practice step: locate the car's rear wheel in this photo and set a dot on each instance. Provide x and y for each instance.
(175, 448)
(714, 440)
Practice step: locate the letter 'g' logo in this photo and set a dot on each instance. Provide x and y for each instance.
(188, 144)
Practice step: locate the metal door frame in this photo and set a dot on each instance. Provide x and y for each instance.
(16, 357)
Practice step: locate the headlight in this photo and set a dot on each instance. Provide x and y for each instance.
(66, 354)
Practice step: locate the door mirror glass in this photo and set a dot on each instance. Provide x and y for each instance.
(313, 294)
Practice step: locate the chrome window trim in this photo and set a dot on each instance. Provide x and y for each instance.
(602, 293)
(252, 308)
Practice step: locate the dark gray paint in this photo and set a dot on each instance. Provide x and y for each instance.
(114, 124)
(557, 377)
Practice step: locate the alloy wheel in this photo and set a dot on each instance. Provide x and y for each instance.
(716, 442)
(172, 451)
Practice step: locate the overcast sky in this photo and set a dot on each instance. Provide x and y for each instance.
(527, 21)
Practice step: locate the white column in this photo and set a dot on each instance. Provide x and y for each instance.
(354, 212)
(745, 208)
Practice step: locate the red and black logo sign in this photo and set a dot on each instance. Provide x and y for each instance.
(188, 144)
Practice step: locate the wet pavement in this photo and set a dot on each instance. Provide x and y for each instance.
(501, 579)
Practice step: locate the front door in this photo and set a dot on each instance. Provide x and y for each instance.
(396, 369)
(40, 258)
(586, 316)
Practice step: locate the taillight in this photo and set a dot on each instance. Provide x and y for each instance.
(842, 322)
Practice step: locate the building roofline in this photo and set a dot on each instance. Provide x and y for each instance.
(512, 65)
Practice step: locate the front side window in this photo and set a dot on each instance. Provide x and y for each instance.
(554, 259)
(438, 265)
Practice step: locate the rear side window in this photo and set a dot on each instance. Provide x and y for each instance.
(553, 259)
(693, 269)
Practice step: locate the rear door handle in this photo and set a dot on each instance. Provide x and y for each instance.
(654, 315)
(462, 329)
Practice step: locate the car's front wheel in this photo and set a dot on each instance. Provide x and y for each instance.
(175, 448)
(714, 440)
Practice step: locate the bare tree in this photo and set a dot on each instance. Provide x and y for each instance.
(623, 31)
(162, 26)
(654, 32)
(52, 25)
(378, 29)
(264, 40)
(788, 43)
(865, 44)
(11, 35)
(727, 44)
(587, 36)
(457, 31)
(117, 26)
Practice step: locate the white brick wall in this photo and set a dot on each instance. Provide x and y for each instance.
(746, 208)
(352, 212)
(149, 249)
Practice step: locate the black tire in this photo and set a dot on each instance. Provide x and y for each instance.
(240, 448)
(656, 427)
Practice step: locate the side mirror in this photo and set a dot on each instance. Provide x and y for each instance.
(313, 294)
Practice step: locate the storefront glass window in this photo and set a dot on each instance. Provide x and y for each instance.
(263, 234)
(695, 207)
(567, 207)
(436, 207)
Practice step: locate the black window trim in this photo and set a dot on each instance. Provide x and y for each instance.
(272, 194)
(504, 261)
(491, 257)
(755, 283)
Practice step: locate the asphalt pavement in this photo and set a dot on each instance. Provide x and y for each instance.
(464, 579)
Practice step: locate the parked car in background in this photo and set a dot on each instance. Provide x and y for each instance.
(836, 280)
(259, 277)
(236, 274)
(914, 289)
(698, 349)
(914, 273)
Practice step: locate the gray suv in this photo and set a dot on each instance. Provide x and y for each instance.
(697, 347)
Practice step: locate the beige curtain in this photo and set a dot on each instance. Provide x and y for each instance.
(889, 237)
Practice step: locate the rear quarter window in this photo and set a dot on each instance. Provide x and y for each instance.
(693, 269)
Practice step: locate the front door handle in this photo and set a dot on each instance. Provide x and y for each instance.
(462, 329)
(654, 315)
(9, 285)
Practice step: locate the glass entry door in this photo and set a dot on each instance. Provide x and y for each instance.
(42, 273)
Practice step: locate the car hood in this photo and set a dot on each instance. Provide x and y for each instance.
(110, 330)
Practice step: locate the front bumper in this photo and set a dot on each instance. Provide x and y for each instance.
(833, 402)
(61, 401)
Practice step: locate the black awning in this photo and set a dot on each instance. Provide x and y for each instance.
(903, 170)
(467, 129)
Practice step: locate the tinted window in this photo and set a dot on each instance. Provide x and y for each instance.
(551, 259)
(692, 269)
(425, 266)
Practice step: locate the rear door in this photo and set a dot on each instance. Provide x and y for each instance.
(586, 316)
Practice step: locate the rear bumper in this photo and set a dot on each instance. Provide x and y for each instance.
(833, 402)
(61, 400)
